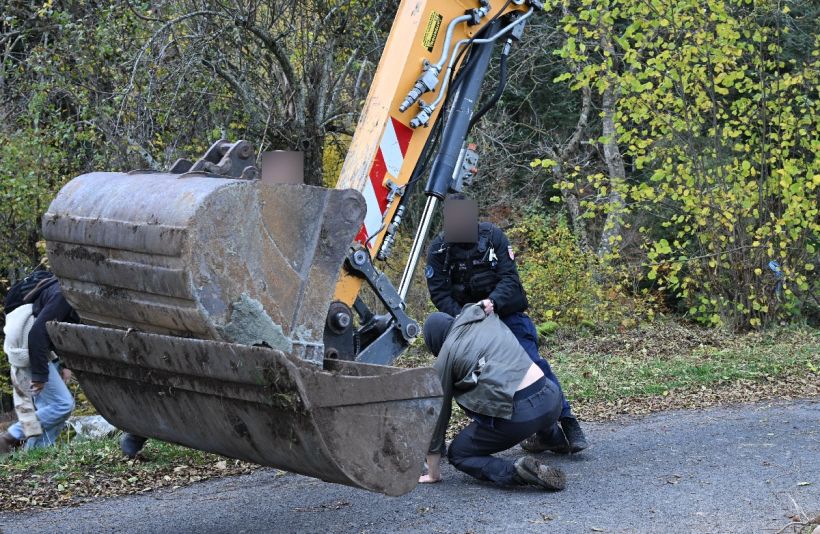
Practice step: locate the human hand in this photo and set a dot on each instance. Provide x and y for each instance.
(65, 374)
(433, 470)
(37, 387)
(487, 304)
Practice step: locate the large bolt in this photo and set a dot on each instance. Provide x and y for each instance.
(353, 207)
(341, 320)
(245, 150)
(412, 330)
(360, 257)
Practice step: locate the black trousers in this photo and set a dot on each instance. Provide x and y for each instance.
(535, 409)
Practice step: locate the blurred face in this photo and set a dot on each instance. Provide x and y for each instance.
(460, 220)
(283, 167)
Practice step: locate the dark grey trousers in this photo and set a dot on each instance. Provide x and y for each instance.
(535, 408)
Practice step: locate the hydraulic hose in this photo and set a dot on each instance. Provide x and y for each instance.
(502, 84)
(454, 133)
(454, 82)
(472, 42)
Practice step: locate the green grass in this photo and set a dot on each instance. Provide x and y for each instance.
(102, 456)
(659, 357)
(618, 372)
(79, 470)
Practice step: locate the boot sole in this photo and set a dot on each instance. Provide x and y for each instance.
(544, 476)
(552, 478)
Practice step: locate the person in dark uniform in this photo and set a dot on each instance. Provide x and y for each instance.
(472, 262)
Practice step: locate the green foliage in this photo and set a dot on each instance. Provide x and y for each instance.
(565, 285)
(547, 328)
(720, 125)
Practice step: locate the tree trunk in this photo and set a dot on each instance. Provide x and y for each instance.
(617, 175)
(313, 149)
(614, 162)
(573, 206)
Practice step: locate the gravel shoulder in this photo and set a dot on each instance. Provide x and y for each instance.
(749, 468)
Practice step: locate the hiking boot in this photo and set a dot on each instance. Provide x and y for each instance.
(8, 443)
(536, 443)
(575, 436)
(131, 444)
(530, 471)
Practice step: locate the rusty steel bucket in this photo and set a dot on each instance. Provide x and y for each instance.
(204, 301)
(362, 425)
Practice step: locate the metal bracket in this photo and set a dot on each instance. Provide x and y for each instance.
(384, 349)
(478, 13)
(394, 190)
(231, 160)
(466, 169)
(402, 330)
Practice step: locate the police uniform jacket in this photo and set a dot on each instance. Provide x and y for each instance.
(459, 274)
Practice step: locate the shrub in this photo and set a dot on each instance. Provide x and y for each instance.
(566, 285)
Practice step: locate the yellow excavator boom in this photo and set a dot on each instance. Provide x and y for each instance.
(385, 147)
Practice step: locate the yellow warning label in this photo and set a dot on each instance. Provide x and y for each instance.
(431, 31)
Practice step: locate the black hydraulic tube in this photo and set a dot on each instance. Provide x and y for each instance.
(502, 83)
(460, 114)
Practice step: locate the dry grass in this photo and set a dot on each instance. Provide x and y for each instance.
(82, 470)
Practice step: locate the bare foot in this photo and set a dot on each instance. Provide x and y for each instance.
(427, 479)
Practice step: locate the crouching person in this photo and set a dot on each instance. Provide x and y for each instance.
(37, 369)
(482, 365)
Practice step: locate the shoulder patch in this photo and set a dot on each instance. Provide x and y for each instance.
(428, 271)
(511, 253)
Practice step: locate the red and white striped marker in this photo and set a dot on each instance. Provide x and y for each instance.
(388, 161)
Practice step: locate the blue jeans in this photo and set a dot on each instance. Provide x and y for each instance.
(524, 330)
(535, 409)
(54, 405)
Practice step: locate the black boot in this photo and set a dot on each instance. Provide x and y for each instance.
(575, 436)
(131, 444)
(9, 443)
(530, 471)
(551, 439)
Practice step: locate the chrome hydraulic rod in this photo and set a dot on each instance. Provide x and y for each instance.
(418, 246)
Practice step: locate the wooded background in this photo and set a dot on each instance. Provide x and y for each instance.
(647, 156)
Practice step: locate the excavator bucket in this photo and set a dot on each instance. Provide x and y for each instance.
(203, 301)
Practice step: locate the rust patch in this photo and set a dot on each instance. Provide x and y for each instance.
(78, 253)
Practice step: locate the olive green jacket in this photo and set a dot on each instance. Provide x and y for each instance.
(481, 364)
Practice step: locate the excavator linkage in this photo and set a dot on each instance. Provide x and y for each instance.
(204, 301)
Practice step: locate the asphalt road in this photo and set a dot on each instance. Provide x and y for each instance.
(738, 469)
